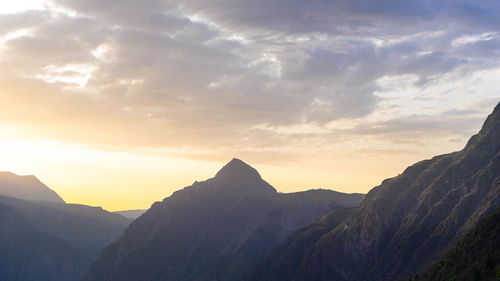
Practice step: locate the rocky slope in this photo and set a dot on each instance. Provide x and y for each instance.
(409, 221)
(475, 257)
(212, 230)
(283, 261)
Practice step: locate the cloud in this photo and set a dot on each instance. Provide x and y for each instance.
(204, 74)
(13, 22)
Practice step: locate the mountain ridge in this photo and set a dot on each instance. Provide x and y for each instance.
(212, 230)
(131, 214)
(27, 187)
(437, 199)
(407, 222)
(50, 239)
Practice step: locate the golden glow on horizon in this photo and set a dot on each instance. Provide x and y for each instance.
(113, 180)
(119, 113)
(129, 180)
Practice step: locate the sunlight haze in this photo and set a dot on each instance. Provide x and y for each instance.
(132, 104)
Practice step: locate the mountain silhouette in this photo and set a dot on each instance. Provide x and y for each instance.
(49, 239)
(26, 187)
(27, 254)
(238, 174)
(213, 230)
(410, 221)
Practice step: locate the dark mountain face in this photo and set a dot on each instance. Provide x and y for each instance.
(88, 229)
(212, 230)
(26, 187)
(409, 221)
(283, 260)
(29, 255)
(475, 257)
(42, 240)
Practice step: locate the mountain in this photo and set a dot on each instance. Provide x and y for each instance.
(44, 240)
(475, 257)
(88, 229)
(28, 255)
(26, 187)
(131, 214)
(409, 221)
(283, 260)
(213, 230)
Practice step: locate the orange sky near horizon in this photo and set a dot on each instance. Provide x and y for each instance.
(120, 180)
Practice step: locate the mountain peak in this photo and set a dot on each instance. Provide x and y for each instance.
(238, 170)
(26, 187)
(489, 134)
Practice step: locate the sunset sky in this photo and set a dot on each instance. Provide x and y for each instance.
(118, 103)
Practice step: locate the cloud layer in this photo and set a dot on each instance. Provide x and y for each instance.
(277, 79)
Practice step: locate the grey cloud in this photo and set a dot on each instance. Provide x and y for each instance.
(152, 15)
(46, 51)
(13, 22)
(267, 23)
(475, 14)
(425, 125)
(203, 70)
(347, 17)
(485, 51)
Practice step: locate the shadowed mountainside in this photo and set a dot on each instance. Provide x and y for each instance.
(87, 229)
(47, 240)
(408, 221)
(212, 230)
(282, 261)
(27, 254)
(475, 257)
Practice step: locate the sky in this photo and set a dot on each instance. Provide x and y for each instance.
(119, 103)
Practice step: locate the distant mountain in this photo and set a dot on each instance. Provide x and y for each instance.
(408, 222)
(27, 254)
(89, 229)
(44, 240)
(26, 187)
(475, 257)
(131, 214)
(213, 230)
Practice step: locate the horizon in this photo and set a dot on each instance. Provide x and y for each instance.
(180, 188)
(208, 177)
(120, 107)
